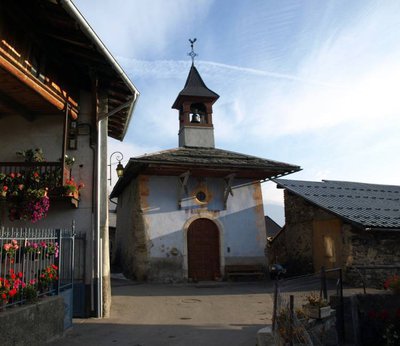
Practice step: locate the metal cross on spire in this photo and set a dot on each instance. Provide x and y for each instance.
(192, 54)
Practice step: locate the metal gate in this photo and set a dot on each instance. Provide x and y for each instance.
(81, 308)
(66, 271)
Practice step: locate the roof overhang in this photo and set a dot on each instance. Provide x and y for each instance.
(137, 166)
(26, 94)
(68, 39)
(123, 90)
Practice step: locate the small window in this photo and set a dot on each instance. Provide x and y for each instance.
(201, 196)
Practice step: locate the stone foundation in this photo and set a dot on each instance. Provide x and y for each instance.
(33, 324)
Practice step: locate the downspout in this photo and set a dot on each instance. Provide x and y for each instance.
(70, 8)
(98, 235)
(64, 147)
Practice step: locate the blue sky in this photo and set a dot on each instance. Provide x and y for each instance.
(312, 83)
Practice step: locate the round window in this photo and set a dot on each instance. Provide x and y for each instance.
(201, 196)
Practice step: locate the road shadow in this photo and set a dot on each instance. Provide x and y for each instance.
(105, 333)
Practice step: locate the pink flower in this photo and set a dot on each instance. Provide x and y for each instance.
(5, 188)
(6, 247)
(12, 175)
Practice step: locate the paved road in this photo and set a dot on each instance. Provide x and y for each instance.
(178, 315)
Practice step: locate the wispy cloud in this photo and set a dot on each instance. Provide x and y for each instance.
(309, 83)
(143, 28)
(174, 69)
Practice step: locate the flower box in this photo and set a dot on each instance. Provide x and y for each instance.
(317, 312)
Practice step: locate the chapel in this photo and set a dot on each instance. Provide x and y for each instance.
(191, 212)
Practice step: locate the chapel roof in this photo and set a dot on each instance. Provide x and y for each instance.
(368, 206)
(211, 162)
(195, 87)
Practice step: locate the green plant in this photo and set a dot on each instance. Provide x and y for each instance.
(47, 276)
(10, 285)
(72, 187)
(51, 249)
(69, 160)
(30, 293)
(32, 155)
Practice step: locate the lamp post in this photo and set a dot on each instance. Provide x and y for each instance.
(120, 169)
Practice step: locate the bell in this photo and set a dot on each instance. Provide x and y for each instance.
(195, 118)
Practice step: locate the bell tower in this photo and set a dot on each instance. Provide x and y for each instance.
(194, 104)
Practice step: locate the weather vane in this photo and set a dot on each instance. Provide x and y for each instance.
(192, 54)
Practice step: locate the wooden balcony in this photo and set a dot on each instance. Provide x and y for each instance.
(50, 171)
(49, 176)
(24, 90)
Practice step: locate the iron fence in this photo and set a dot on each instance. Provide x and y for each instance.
(295, 299)
(372, 276)
(34, 263)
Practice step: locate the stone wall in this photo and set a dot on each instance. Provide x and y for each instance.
(368, 316)
(376, 255)
(33, 324)
(293, 248)
(131, 241)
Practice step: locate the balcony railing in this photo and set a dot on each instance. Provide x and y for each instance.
(50, 171)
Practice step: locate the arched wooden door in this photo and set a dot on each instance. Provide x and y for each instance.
(203, 250)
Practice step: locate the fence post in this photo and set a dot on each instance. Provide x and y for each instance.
(342, 335)
(275, 305)
(58, 260)
(291, 318)
(324, 291)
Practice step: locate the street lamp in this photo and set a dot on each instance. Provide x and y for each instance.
(120, 169)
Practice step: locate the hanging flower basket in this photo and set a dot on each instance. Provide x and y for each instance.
(26, 191)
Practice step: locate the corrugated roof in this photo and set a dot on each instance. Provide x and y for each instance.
(367, 205)
(202, 162)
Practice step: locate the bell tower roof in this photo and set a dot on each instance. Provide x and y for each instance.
(194, 104)
(194, 87)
